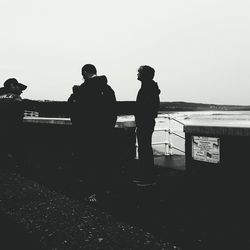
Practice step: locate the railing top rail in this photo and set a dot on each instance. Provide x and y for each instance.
(170, 117)
(177, 121)
(161, 129)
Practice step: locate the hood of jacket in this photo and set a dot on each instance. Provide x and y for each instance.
(97, 82)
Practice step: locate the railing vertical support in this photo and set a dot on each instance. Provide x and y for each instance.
(136, 147)
(166, 142)
(169, 137)
(169, 133)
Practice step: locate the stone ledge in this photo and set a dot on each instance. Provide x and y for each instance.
(120, 123)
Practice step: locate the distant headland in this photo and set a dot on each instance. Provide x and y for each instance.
(191, 106)
(48, 108)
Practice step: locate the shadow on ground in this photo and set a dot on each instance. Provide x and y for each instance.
(183, 209)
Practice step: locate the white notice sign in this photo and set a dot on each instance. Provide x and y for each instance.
(206, 149)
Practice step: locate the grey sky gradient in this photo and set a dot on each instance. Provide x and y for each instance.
(199, 48)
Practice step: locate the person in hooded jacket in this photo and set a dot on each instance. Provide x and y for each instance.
(71, 104)
(147, 106)
(94, 120)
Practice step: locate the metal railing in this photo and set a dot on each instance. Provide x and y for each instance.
(168, 137)
(31, 113)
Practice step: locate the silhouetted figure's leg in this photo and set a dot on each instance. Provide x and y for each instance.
(145, 151)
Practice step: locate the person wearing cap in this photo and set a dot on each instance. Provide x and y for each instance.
(11, 112)
(12, 90)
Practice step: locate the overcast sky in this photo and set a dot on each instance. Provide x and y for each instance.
(200, 49)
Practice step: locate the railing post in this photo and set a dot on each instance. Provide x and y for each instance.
(169, 136)
(166, 142)
(136, 147)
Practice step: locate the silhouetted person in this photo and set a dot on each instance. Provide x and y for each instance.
(72, 104)
(94, 120)
(147, 105)
(11, 112)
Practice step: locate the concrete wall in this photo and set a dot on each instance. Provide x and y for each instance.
(226, 182)
(48, 147)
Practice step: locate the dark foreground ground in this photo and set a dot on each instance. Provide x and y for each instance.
(34, 217)
(179, 212)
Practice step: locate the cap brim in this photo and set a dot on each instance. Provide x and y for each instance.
(22, 86)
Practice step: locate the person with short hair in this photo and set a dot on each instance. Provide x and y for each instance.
(94, 120)
(147, 106)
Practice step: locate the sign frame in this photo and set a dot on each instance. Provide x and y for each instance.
(206, 149)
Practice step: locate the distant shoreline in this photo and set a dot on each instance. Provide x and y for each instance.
(189, 106)
(48, 108)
